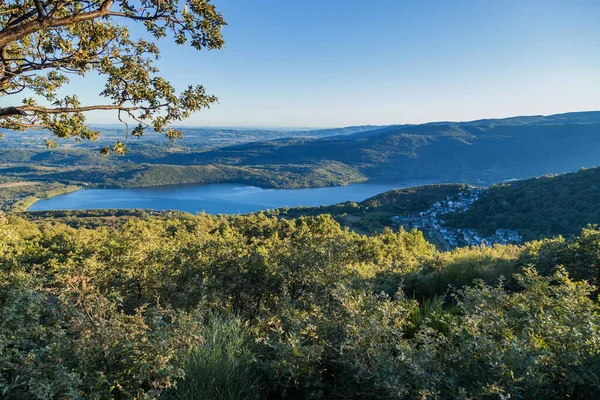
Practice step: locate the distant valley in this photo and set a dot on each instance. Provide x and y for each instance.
(535, 208)
(477, 152)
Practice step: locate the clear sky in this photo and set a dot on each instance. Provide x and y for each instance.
(321, 63)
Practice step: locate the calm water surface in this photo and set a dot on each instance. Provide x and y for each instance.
(214, 198)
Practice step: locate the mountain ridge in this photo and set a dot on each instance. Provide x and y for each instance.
(478, 152)
(483, 151)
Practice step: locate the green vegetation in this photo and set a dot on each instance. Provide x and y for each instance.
(19, 196)
(84, 168)
(177, 306)
(373, 215)
(131, 305)
(478, 152)
(44, 41)
(223, 367)
(537, 208)
(270, 176)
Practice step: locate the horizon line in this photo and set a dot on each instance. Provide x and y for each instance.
(308, 128)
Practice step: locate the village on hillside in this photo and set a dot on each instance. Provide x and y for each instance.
(431, 221)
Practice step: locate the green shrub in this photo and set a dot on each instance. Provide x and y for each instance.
(541, 342)
(223, 367)
(216, 307)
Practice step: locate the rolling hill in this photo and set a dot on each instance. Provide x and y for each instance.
(476, 152)
(539, 207)
(374, 214)
(483, 151)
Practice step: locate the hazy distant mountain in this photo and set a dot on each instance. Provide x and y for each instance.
(194, 137)
(481, 151)
(476, 152)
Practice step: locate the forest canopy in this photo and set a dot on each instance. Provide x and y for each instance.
(539, 207)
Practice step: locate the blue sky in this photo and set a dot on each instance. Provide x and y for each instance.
(321, 63)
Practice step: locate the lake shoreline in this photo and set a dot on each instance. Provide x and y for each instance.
(219, 198)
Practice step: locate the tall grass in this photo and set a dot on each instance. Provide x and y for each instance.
(462, 267)
(222, 368)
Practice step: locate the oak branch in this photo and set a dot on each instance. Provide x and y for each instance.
(42, 43)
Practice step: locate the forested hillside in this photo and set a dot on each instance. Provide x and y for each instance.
(477, 152)
(205, 307)
(539, 207)
(18, 196)
(374, 214)
(484, 151)
(116, 173)
(444, 291)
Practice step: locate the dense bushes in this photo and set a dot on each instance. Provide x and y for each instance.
(205, 307)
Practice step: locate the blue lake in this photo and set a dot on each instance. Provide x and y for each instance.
(214, 198)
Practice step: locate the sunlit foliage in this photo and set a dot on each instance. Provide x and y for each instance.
(216, 307)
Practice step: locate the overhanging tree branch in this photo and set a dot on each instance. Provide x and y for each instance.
(8, 111)
(19, 31)
(41, 41)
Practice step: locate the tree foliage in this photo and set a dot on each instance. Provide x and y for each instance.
(217, 307)
(42, 42)
(539, 207)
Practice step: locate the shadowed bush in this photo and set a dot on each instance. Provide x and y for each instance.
(223, 367)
